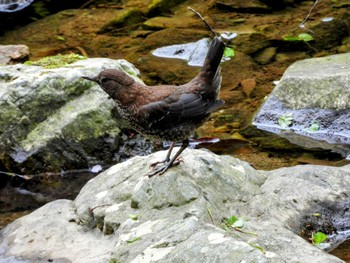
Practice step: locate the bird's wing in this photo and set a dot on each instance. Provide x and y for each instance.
(171, 112)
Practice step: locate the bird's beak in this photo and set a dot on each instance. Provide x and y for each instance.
(91, 79)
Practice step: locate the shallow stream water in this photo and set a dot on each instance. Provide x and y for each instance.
(245, 84)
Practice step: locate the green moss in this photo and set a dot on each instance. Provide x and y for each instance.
(56, 61)
(127, 17)
(127, 20)
(40, 9)
(93, 124)
(9, 115)
(162, 5)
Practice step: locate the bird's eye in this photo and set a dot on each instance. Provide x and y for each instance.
(104, 80)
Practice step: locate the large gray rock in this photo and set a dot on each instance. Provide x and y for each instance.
(316, 83)
(52, 118)
(315, 95)
(178, 217)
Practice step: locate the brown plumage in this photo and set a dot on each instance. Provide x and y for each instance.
(167, 112)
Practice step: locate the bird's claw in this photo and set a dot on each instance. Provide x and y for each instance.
(158, 171)
(176, 162)
(152, 165)
(162, 169)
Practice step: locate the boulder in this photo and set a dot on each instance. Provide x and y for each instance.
(316, 83)
(182, 216)
(313, 96)
(52, 118)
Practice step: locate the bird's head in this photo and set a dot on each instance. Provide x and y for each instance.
(112, 81)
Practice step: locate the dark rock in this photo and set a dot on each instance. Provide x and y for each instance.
(324, 34)
(250, 42)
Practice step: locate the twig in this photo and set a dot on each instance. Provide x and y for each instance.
(211, 216)
(302, 24)
(82, 51)
(244, 232)
(205, 22)
(91, 210)
(85, 4)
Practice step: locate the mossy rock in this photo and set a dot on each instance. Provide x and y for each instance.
(56, 61)
(52, 119)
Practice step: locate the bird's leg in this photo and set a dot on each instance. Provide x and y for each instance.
(167, 158)
(167, 164)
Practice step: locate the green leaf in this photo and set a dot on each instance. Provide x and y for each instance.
(133, 240)
(319, 237)
(60, 38)
(134, 216)
(230, 221)
(229, 52)
(290, 38)
(305, 37)
(257, 247)
(285, 120)
(301, 37)
(313, 127)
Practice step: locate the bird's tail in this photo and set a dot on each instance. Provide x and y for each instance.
(214, 56)
(210, 75)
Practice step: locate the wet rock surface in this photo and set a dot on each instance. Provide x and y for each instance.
(314, 95)
(132, 29)
(180, 216)
(331, 218)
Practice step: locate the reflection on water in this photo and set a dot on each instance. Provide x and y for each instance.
(342, 251)
(13, 5)
(8, 217)
(22, 194)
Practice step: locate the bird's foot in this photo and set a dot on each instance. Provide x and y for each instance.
(158, 170)
(162, 167)
(153, 165)
(176, 162)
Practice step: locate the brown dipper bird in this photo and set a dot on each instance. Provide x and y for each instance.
(167, 112)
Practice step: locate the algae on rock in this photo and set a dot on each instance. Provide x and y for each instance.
(55, 119)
